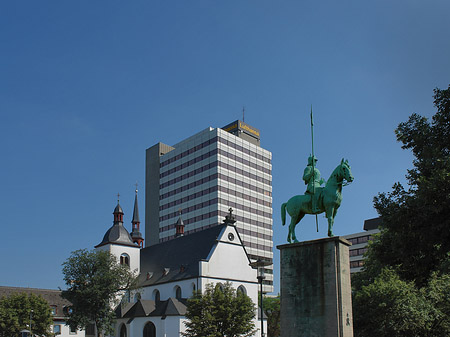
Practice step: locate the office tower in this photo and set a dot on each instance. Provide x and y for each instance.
(203, 177)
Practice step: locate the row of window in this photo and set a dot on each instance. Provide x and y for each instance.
(187, 152)
(188, 174)
(245, 173)
(361, 239)
(203, 168)
(213, 177)
(204, 204)
(356, 264)
(189, 163)
(244, 161)
(210, 215)
(209, 203)
(356, 252)
(257, 246)
(212, 141)
(214, 164)
(254, 234)
(57, 330)
(244, 150)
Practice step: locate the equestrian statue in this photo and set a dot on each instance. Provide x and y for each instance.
(317, 199)
(324, 199)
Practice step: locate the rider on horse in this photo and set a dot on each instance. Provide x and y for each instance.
(311, 177)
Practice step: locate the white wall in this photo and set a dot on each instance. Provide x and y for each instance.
(132, 252)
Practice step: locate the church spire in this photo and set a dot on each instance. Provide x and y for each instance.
(179, 227)
(135, 222)
(118, 213)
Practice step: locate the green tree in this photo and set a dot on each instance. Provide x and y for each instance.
(95, 282)
(416, 237)
(272, 311)
(15, 315)
(403, 288)
(220, 311)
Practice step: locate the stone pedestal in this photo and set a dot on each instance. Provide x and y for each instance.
(315, 289)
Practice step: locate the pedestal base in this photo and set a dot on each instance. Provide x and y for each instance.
(315, 289)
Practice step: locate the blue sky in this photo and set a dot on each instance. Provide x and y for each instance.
(86, 87)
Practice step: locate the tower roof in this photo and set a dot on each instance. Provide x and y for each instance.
(118, 235)
(135, 210)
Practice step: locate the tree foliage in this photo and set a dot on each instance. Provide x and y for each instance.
(220, 311)
(416, 236)
(403, 288)
(95, 281)
(271, 306)
(15, 315)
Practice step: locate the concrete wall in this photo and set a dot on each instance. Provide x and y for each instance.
(315, 289)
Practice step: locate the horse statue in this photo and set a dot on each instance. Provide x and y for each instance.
(329, 199)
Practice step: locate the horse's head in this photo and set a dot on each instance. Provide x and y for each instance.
(346, 171)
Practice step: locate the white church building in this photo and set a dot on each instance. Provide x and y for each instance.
(171, 271)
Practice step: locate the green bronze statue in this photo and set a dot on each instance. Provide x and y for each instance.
(322, 199)
(311, 177)
(328, 199)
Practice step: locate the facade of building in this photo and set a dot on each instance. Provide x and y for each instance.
(170, 271)
(57, 305)
(205, 175)
(360, 242)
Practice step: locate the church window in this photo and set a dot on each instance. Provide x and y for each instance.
(156, 295)
(149, 330)
(125, 259)
(241, 290)
(177, 292)
(123, 331)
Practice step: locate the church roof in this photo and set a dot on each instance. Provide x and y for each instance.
(179, 258)
(146, 308)
(118, 235)
(135, 210)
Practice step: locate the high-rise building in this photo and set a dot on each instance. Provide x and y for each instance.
(360, 242)
(203, 177)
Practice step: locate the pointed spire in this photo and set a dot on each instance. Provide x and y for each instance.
(179, 227)
(135, 222)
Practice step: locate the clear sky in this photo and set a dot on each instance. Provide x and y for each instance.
(87, 86)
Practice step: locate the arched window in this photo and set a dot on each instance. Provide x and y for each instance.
(193, 288)
(241, 290)
(125, 259)
(177, 292)
(123, 331)
(219, 286)
(156, 295)
(137, 297)
(149, 330)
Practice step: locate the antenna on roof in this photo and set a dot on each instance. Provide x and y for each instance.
(243, 113)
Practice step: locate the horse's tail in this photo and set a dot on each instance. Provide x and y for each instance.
(283, 213)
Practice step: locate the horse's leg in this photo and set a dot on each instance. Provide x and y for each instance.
(330, 213)
(299, 217)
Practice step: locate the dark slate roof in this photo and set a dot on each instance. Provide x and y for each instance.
(118, 235)
(118, 209)
(373, 223)
(53, 297)
(146, 308)
(179, 258)
(135, 210)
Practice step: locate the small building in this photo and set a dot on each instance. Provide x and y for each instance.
(57, 305)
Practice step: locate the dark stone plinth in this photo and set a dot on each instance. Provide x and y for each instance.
(315, 289)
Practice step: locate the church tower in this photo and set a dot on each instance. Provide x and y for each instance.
(119, 243)
(136, 235)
